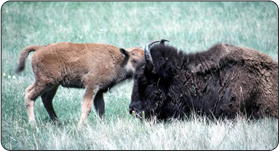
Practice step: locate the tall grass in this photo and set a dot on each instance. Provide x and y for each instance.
(191, 26)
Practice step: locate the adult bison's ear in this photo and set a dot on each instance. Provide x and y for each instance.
(124, 52)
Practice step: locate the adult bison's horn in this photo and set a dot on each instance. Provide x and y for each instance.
(148, 57)
(163, 40)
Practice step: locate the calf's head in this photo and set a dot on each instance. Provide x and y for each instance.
(134, 56)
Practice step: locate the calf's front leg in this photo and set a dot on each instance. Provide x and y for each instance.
(90, 93)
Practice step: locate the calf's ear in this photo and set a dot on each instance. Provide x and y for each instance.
(124, 52)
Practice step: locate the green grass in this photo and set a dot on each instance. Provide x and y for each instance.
(191, 26)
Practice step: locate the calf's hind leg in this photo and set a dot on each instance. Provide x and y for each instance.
(31, 94)
(29, 103)
(47, 98)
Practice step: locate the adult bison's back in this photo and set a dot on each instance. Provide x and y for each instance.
(220, 82)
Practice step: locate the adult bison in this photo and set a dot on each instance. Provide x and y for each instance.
(221, 82)
(95, 67)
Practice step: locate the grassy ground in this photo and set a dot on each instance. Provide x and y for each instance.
(192, 26)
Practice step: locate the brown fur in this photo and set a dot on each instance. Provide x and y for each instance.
(95, 67)
(258, 88)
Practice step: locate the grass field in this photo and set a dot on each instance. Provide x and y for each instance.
(191, 26)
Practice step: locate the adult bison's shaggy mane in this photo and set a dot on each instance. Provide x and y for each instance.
(221, 82)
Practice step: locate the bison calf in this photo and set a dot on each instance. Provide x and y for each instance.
(223, 81)
(95, 67)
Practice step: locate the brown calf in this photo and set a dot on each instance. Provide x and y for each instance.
(95, 67)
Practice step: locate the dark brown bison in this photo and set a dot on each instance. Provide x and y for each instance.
(221, 82)
(95, 67)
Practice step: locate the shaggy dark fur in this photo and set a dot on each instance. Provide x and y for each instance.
(221, 82)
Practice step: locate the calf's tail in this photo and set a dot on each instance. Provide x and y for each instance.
(23, 56)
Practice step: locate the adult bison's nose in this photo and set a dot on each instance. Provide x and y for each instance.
(131, 109)
(134, 108)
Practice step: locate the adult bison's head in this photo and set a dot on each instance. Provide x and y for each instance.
(151, 83)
